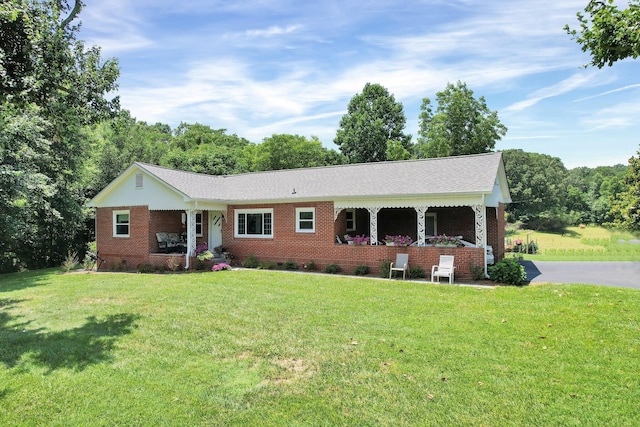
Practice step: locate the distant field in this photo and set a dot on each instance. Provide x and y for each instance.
(581, 244)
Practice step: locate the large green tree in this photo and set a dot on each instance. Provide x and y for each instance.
(373, 119)
(460, 125)
(285, 151)
(199, 148)
(626, 208)
(115, 144)
(536, 182)
(608, 33)
(51, 86)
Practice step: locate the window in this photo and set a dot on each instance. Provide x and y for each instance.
(351, 219)
(305, 220)
(120, 223)
(431, 224)
(199, 224)
(254, 223)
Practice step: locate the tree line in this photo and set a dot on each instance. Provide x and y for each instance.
(63, 139)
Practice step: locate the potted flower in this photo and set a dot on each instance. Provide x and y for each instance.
(398, 240)
(361, 240)
(203, 253)
(445, 241)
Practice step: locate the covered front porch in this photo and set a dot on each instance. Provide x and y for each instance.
(472, 220)
(179, 232)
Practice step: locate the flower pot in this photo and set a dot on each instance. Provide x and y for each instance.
(445, 245)
(350, 242)
(391, 244)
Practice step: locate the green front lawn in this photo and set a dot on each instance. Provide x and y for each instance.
(277, 348)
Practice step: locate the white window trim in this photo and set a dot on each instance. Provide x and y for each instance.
(353, 212)
(298, 220)
(238, 212)
(115, 224)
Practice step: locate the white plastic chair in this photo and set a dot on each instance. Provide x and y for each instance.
(444, 269)
(401, 264)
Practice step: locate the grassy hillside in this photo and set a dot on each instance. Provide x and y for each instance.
(580, 244)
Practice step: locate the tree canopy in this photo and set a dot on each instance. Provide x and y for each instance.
(608, 33)
(373, 119)
(626, 207)
(51, 86)
(460, 125)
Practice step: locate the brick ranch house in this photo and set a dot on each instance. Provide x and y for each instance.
(296, 215)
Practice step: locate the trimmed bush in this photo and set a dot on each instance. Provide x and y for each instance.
(508, 271)
(310, 266)
(146, 268)
(477, 272)
(290, 265)
(416, 272)
(361, 270)
(332, 269)
(267, 265)
(384, 269)
(250, 262)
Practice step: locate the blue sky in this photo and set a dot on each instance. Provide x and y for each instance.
(260, 67)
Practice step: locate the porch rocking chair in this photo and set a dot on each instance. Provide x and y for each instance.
(444, 269)
(401, 264)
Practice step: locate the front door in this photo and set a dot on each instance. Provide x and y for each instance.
(215, 229)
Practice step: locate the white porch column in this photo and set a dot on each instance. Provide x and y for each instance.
(480, 225)
(422, 229)
(191, 233)
(373, 223)
(481, 232)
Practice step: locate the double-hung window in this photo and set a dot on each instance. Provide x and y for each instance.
(199, 224)
(254, 223)
(121, 223)
(351, 219)
(305, 220)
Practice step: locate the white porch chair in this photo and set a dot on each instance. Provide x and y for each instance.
(444, 269)
(401, 264)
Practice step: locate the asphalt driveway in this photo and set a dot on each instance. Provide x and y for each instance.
(623, 274)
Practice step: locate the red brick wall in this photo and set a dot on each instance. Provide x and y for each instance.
(127, 252)
(287, 245)
(320, 247)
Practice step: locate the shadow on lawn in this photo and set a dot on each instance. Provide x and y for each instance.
(75, 348)
(26, 279)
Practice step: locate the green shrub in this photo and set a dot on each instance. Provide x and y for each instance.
(70, 262)
(477, 272)
(361, 270)
(146, 268)
(290, 265)
(332, 269)
(384, 269)
(416, 272)
(250, 262)
(508, 271)
(267, 265)
(310, 266)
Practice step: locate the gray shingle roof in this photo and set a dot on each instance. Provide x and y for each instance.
(428, 177)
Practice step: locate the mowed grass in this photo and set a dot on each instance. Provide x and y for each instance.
(277, 348)
(592, 243)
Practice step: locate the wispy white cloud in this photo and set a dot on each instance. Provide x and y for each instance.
(609, 92)
(568, 85)
(273, 31)
(621, 115)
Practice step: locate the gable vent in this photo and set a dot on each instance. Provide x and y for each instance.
(139, 180)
